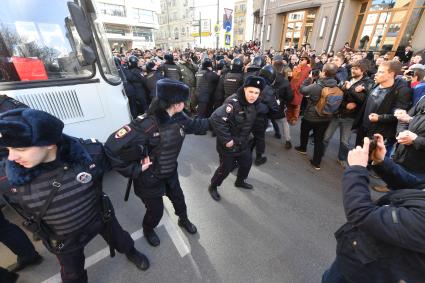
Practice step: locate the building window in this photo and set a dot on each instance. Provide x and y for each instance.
(115, 30)
(112, 9)
(143, 16)
(183, 32)
(176, 33)
(384, 25)
(145, 34)
(298, 28)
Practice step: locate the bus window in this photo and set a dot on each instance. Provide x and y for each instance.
(38, 41)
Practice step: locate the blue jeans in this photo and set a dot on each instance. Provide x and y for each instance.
(344, 125)
(333, 274)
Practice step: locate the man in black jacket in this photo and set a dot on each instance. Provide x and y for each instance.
(410, 152)
(377, 113)
(383, 241)
(232, 123)
(266, 107)
(355, 91)
(285, 96)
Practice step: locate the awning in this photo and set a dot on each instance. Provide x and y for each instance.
(302, 5)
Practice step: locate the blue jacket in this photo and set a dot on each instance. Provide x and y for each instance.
(382, 241)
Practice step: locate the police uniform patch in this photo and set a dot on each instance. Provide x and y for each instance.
(122, 132)
(229, 108)
(83, 177)
(181, 132)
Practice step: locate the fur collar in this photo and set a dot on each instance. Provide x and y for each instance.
(70, 151)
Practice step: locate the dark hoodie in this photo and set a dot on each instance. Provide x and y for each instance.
(313, 91)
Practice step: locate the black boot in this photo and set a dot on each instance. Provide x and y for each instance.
(152, 238)
(7, 276)
(139, 259)
(187, 225)
(259, 160)
(213, 192)
(22, 263)
(244, 185)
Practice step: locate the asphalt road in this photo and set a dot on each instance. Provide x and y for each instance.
(282, 231)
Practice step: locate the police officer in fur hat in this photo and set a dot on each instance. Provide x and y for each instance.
(55, 184)
(147, 149)
(232, 123)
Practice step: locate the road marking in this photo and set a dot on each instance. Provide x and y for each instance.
(171, 229)
(175, 236)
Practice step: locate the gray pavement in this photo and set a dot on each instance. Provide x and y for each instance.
(282, 231)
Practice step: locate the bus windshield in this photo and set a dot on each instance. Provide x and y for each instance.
(38, 41)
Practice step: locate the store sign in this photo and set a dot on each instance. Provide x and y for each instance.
(205, 28)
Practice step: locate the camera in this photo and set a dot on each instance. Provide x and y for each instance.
(372, 145)
(315, 73)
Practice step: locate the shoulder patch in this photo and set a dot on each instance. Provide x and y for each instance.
(229, 108)
(122, 132)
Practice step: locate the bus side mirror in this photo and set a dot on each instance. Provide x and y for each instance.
(81, 23)
(88, 54)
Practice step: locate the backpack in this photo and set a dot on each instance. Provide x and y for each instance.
(330, 101)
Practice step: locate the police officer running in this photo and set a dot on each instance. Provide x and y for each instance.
(232, 123)
(55, 183)
(147, 149)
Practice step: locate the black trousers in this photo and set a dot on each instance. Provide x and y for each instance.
(227, 163)
(155, 206)
(72, 264)
(319, 129)
(259, 132)
(16, 240)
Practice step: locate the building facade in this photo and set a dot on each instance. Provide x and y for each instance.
(175, 24)
(129, 23)
(375, 25)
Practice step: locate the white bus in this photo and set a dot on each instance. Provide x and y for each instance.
(54, 57)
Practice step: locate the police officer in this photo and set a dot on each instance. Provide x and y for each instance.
(206, 82)
(170, 69)
(232, 123)
(231, 82)
(10, 234)
(152, 77)
(266, 107)
(147, 150)
(257, 63)
(55, 184)
(135, 87)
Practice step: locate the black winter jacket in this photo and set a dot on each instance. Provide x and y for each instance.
(412, 157)
(351, 96)
(283, 93)
(382, 241)
(399, 97)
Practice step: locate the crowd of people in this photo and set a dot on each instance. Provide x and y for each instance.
(54, 181)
